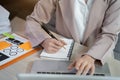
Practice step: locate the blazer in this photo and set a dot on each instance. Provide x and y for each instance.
(101, 31)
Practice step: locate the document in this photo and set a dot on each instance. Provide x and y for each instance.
(13, 48)
(62, 54)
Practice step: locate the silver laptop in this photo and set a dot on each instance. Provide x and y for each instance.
(60, 67)
(62, 77)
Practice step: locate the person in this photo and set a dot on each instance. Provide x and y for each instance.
(94, 23)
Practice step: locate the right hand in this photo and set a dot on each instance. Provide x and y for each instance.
(83, 65)
(52, 45)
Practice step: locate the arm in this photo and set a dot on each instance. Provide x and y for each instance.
(42, 13)
(106, 40)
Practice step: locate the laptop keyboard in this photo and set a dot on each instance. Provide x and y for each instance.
(70, 73)
(54, 73)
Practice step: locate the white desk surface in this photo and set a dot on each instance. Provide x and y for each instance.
(24, 65)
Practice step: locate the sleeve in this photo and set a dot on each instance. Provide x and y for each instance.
(106, 40)
(42, 13)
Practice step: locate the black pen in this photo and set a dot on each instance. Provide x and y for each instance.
(44, 27)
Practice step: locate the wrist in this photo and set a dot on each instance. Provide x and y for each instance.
(88, 56)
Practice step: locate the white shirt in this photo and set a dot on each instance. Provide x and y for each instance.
(80, 15)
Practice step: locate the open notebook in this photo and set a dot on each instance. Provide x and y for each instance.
(62, 54)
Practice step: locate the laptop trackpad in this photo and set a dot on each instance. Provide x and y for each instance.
(50, 66)
(59, 67)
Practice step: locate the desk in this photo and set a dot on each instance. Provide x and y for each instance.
(24, 65)
(9, 73)
(114, 66)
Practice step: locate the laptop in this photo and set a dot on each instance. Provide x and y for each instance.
(61, 67)
(62, 77)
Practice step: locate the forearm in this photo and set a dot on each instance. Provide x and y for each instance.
(41, 14)
(107, 38)
(35, 33)
(102, 48)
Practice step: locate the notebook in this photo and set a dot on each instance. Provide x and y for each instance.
(62, 54)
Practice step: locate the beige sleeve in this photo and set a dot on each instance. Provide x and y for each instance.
(43, 11)
(106, 40)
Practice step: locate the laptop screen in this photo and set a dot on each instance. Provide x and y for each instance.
(62, 77)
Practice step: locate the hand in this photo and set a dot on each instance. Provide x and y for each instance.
(83, 65)
(52, 45)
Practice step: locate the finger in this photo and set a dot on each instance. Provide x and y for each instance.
(78, 64)
(55, 46)
(92, 70)
(71, 65)
(78, 72)
(64, 43)
(53, 50)
(59, 43)
(86, 69)
(81, 68)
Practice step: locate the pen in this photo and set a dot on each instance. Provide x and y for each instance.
(43, 26)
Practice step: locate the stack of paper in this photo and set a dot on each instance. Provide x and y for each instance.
(62, 54)
(4, 20)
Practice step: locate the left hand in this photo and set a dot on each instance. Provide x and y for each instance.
(83, 65)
